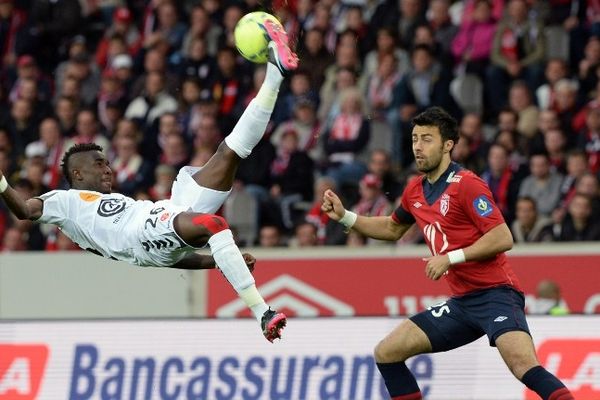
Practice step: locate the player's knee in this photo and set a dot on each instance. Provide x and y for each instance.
(212, 223)
(384, 353)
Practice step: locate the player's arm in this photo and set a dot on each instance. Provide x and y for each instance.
(381, 228)
(22, 209)
(197, 261)
(497, 240)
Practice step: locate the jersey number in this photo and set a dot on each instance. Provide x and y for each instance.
(439, 309)
(153, 221)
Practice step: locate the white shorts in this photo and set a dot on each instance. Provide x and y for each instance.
(187, 193)
(160, 246)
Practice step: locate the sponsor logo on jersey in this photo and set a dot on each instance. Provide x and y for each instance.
(165, 217)
(416, 204)
(576, 362)
(500, 318)
(89, 197)
(21, 370)
(110, 207)
(453, 178)
(483, 206)
(444, 204)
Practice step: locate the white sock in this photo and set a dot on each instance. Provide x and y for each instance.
(251, 126)
(230, 261)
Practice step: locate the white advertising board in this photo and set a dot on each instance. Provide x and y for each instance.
(322, 358)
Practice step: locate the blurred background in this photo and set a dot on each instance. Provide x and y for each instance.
(159, 84)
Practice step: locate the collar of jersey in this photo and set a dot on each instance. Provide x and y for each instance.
(432, 191)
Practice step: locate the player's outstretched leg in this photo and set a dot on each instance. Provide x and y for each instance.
(199, 229)
(219, 172)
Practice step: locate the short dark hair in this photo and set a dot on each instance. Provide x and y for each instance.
(437, 116)
(76, 148)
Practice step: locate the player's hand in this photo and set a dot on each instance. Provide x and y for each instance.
(250, 261)
(436, 266)
(332, 205)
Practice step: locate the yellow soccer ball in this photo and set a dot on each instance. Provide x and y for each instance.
(251, 38)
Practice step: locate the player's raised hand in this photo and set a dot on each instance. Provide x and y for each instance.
(436, 266)
(332, 205)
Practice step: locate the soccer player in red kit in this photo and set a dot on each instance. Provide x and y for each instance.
(467, 236)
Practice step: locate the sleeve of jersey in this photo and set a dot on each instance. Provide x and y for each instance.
(401, 215)
(54, 209)
(479, 204)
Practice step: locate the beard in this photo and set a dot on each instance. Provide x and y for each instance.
(431, 163)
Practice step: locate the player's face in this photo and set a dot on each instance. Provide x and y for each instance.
(92, 172)
(428, 147)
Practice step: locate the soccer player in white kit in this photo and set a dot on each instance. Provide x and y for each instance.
(167, 233)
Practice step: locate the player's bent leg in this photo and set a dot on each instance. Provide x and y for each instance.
(200, 229)
(518, 352)
(391, 353)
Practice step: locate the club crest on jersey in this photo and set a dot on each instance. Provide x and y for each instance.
(444, 204)
(110, 207)
(483, 206)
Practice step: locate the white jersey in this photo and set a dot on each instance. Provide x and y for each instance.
(116, 226)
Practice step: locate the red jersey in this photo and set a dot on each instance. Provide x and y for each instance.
(453, 213)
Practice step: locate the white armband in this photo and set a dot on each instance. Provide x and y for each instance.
(456, 256)
(348, 220)
(3, 184)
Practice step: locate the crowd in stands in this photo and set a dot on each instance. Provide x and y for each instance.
(158, 84)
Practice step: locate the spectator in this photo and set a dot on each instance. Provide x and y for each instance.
(14, 240)
(154, 102)
(300, 89)
(381, 87)
(549, 300)
(517, 52)
(567, 106)
(198, 64)
(292, 177)
(305, 235)
(52, 146)
(472, 44)
(520, 101)
(380, 165)
(556, 69)
(164, 176)
(588, 185)
(131, 171)
(66, 113)
(315, 57)
(543, 185)
(307, 127)
(21, 125)
(270, 236)
(387, 44)
(578, 224)
(372, 201)
(346, 140)
(589, 139)
(440, 22)
(88, 130)
(528, 226)
(328, 231)
(502, 179)
(201, 26)
(123, 26)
